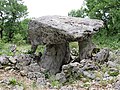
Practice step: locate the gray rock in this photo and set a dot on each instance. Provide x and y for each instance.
(4, 60)
(102, 56)
(35, 75)
(68, 88)
(12, 60)
(74, 52)
(117, 85)
(34, 68)
(70, 28)
(111, 64)
(90, 75)
(8, 68)
(60, 77)
(23, 59)
(5, 81)
(41, 81)
(75, 64)
(117, 52)
(23, 73)
(106, 74)
(17, 87)
(1, 66)
(90, 65)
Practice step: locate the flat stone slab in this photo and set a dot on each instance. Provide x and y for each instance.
(60, 29)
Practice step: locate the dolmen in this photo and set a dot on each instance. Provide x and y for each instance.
(56, 32)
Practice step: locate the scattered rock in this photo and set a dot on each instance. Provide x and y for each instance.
(117, 85)
(102, 56)
(74, 52)
(34, 68)
(41, 81)
(60, 77)
(111, 64)
(90, 75)
(35, 75)
(17, 87)
(117, 52)
(12, 60)
(23, 59)
(23, 73)
(1, 66)
(8, 68)
(4, 60)
(90, 65)
(5, 81)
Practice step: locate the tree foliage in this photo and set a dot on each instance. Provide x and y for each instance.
(106, 10)
(11, 14)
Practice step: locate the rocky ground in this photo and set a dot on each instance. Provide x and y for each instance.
(101, 72)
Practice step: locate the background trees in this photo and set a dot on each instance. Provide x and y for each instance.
(109, 12)
(11, 14)
(106, 10)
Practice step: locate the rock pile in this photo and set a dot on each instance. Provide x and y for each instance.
(100, 69)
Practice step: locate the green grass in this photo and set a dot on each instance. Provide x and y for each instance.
(22, 48)
(13, 81)
(102, 41)
(112, 42)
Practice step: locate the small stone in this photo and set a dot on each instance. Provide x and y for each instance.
(34, 67)
(4, 60)
(17, 87)
(89, 74)
(60, 77)
(1, 67)
(117, 85)
(111, 64)
(35, 75)
(23, 73)
(67, 88)
(106, 75)
(5, 81)
(41, 81)
(74, 52)
(8, 68)
(102, 56)
(117, 52)
(97, 79)
(12, 60)
(74, 64)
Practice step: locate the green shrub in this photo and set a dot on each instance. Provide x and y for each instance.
(18, 39)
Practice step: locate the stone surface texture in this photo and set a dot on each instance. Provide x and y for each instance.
(59, 29)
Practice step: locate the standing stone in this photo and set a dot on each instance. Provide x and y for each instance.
(53, 55)
(85, 48)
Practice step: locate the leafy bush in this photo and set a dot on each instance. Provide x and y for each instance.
(18, 39)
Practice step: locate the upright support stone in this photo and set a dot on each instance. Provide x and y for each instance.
(54, 57)
(85, 48)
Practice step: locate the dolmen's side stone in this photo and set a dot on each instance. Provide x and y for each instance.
(56, 32)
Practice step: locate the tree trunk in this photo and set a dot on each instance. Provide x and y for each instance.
(1, 33)
(85, 48)
(10, 36)
(54, 57)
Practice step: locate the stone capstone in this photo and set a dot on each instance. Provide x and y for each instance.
(59, 29)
